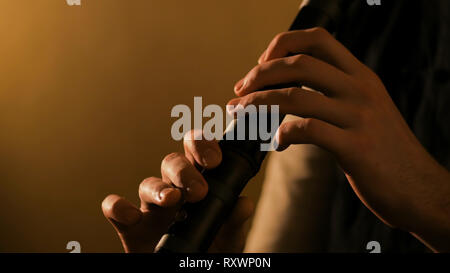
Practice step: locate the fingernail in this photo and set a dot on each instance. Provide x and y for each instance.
(164, 193)
(244, 85)
(276, 142)
(209, 157)
(238, 85)
(170, 196)
(260, 60)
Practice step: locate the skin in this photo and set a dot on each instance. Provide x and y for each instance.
(140, 229)
(355, 119)
(351, 115)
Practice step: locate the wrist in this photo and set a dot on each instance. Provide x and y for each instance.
(429, 215)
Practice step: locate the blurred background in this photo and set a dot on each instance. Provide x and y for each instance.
(85, 99)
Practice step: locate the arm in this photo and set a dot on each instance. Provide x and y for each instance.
(355, 119)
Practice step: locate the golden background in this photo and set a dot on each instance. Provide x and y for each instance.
(85, 99)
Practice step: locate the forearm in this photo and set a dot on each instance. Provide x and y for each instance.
(430, 220)
(354, 118)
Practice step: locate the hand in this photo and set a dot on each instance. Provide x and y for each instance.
(353, 117)
(141, 228)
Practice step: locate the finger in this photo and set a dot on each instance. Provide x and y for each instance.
(160, 203)
(231, 236)
(139, 231)
(239, 85)
(312, 131)
(299, 102)
(205, 153)
(300, 70)
(155, 191)
(262, 57)
(176, 169)
(120, 212)
(316, 42)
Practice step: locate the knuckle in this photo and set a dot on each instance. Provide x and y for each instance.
(255, 72)
(300, 60)
(369, 73)
(193, 135)
(256, 99)
(180, 175)
(367, 86)
(189, 135)
(109, 203)
(282, 131)
(355, 85)
(291, 93)
(358, 87)
(145, 185)
(374, 81)
(170, 157)
(289, 96)
(143, 188)
(148, 181)
(278, 40)
(320, 34)
(363, 115)
(248, 100)
(308, 126)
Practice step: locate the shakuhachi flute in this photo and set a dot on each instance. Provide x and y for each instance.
(241, 160)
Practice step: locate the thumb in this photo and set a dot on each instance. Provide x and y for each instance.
(139, 231)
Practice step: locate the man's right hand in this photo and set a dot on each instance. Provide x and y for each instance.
(140, 229)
